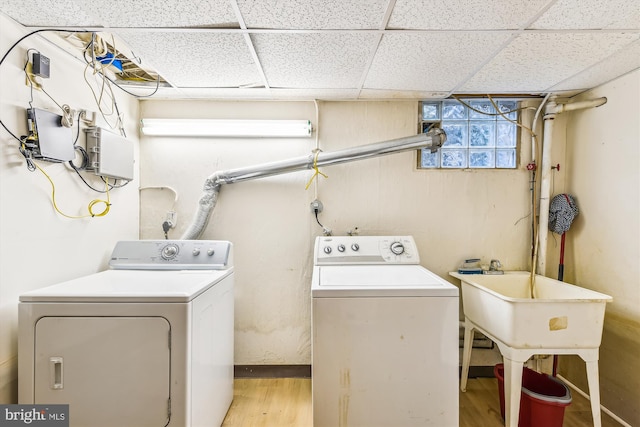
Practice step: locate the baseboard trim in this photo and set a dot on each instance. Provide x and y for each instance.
(272, 371)
(602, 408)
(304, 371)
(479, 372)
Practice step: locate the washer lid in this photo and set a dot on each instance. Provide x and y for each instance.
(379, 280)
(130, 286)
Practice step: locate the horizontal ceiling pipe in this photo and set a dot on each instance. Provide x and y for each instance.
(433, 140)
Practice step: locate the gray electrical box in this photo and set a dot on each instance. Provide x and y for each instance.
(51, 141)
(40, 65)
(110, 155)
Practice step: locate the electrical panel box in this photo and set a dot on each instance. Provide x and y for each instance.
(48, 139)
(110, 155)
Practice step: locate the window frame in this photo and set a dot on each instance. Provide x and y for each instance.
(424, 124)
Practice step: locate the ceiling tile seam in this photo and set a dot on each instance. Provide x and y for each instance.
(387, 14)
(367, 67)
(596, 64)
(256, 60)
(537, 16)
(485, 62)
(328, 31)
(376, 44)
(249, 42)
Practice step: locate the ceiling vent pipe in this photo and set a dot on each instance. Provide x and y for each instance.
(433, 140)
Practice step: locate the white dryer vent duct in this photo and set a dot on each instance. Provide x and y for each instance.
(433, 140)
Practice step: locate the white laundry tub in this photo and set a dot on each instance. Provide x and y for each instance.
(562, 315)
(562, 319)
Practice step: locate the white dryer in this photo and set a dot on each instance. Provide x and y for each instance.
(148, 342)
(385, 336)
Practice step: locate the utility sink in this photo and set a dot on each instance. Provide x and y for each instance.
(561, 319)
(560, 315)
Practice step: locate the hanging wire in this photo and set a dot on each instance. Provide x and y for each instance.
(13, 46)
(90, 207)
(315, 167)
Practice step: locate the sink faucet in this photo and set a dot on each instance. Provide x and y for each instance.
(495, 265)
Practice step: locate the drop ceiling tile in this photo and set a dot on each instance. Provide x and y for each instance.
(166, 13)
(401, 94)
(121, 13)
(620, 63)
(463, 14)
(196, 59)
(309, 94)
(313, 14)
(218, 93)
(592, 14)
(49, 13)
(534, 62)
(430, 61)
(257, 93)
(314, 60)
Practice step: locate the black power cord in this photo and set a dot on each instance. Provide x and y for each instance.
(41, 30)
(166, 226)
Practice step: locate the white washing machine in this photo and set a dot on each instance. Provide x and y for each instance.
(148, 342)
(385, 336)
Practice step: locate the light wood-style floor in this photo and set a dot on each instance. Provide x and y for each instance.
(286, 402)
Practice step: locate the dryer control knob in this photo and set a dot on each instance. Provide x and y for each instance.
(327, 250)
(355, 247)
(397, 248)
(341, 248)
(196, 251)
(210, 252)
(169, 252)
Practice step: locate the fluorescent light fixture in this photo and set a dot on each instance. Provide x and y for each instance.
(227, 128)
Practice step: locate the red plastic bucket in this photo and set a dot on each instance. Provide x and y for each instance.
(542, 401)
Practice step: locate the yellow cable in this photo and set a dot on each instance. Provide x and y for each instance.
(107, 203)
(317, 171)
(91, 204)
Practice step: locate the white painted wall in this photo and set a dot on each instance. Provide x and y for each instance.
(452, 214)
(268, 221)
(603, 245)
(39, 247)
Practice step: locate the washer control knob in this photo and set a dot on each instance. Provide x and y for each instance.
(210, 252)
(355, 247)
(196, 251)
(341, 248)
(327, 250)
(169, 252)
(397, 248)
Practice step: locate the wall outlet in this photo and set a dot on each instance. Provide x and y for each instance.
(316, 205)
(171, 218)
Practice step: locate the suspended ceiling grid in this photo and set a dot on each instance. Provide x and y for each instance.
(361, 49)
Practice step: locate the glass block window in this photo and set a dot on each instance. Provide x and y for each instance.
(477, 137)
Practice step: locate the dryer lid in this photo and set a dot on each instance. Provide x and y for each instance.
(130, 286)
